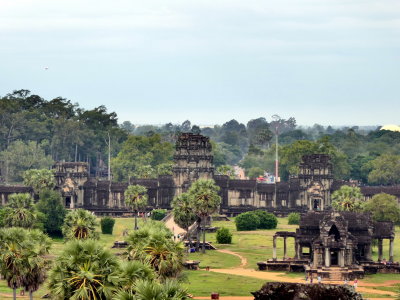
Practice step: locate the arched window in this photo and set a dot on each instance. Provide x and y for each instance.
(334, 232)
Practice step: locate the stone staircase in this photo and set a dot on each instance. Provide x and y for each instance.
(337, 274)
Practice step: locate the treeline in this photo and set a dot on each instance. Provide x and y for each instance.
(35, 132)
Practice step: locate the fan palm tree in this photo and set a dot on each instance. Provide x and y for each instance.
(20, 211)
(347, 198)
(183, 213)
(84, 270)
(80, 224)
(205, 200)
(136, 198)
(170, 290)
(21, 258)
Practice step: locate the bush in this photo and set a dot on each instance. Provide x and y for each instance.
(224, 236)
(247, 221)
(294, 219)
(107, 225)
(158, 214)
(267, 220)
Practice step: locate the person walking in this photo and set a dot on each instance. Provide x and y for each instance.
(355, 283)
(319, 278)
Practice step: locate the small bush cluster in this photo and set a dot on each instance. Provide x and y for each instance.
(257, 219)
(224, 236)
(294, 219)
(107, 225)
(158, 214)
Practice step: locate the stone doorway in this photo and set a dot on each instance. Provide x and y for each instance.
(334, 257)
(68, 202)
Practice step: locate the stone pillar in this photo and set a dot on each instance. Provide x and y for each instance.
(341, 258)
(380, 250)
(296, 250)
(316, 255)
(274, 248)
(391, 244)
(284, 247)
(327, 257)
(368, 253)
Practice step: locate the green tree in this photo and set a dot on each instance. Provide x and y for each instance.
(153, 244)
(39, 180)
(223, 236)
(84, 270)
(226, 170)
(184, 216)
(80, 224)
(205, 201)
(164, 169)
(294, 219)
(20, 212)
(50, 205)
(267, 220)
(21, 156)
(22, 261)
(136, 198)
(383, 207)
(138, 151)
(385, 170)
(247, 221)
(255, 172)
(347, 198)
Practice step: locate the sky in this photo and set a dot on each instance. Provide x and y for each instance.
(330, 62)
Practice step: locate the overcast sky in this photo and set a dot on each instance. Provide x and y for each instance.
(320, 61)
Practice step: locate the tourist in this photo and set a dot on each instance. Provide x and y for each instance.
(306, 277)
(311, 279)
(346, 281)
(319, 278)
(355, 283)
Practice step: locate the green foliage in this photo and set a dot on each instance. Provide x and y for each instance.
(347, 198)
(84, 270)
(294, 219)
(80, 224)
(136, 198)
(22, 262)
(383, 207)
(21, 156)
(226, 170)
(385, 170)
(247, 221)
(158, 214)
(141, 153)
(107, 225)
(152, 243)
(224, 236)
(204, 197)
(267, 220)
(39, 180)
(255, 172)
(21, 212)
(53, 211)
(182, 208)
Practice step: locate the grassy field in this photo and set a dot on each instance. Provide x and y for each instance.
(253, 245)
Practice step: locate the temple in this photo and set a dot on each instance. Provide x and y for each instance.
(309, 191)
(335, 246)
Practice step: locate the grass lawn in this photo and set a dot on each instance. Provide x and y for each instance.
(203, 283)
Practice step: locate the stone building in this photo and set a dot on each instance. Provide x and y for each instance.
(310, 190)
(342, 240)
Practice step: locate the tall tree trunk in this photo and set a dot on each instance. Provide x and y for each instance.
(15, 293)
(198, 236)
(30, 295)
(136, 220)
(203, 228)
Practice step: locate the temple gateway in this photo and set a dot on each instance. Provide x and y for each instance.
(309, 191)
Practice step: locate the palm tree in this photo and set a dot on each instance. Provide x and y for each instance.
(183, 213)
(21, 211)
(84, 270)
(136, 198)
(205, 201)
(150, 290)
(80, 224)
(21, 258)
(153, 244)
(347, 198)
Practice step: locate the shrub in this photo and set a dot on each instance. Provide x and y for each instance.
(107, 225)
(224, 236)
(294, 219)
(247, 221)
(158, 214)
(267, 220)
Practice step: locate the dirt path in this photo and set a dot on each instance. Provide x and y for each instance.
(243, 260)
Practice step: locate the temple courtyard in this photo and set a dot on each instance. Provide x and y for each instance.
(233, 270)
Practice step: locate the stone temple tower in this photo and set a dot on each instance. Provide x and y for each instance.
(193, 160)
(316, 181)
